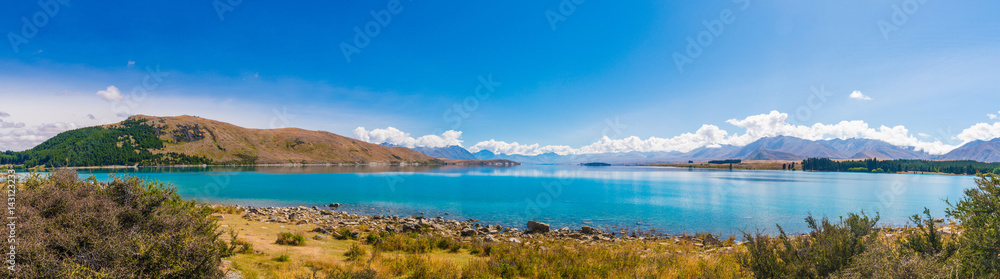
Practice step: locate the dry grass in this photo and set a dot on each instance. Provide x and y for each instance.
(424, 256)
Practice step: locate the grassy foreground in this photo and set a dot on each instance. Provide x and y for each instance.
(377, 254)
(129, 228)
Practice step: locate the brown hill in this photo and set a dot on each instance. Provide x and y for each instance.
(227, 143)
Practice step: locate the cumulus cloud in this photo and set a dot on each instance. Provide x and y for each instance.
(4, 114)
(394, 136)
(9, 125)
(753, 128)
(501, 147)
(981, 131)
(111, 94)
(25, 138)
(992, 116)
(860, 96)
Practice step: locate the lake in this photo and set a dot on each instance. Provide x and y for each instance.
(668, 200)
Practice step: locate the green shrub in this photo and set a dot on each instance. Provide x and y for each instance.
(356, 252)
(344, 234)
(282, 258)
(828, 248)
(888, 259)
(372, 239)
(979, 213)
(123, 228)
(927, 241)
(290, 239)
(348, 273)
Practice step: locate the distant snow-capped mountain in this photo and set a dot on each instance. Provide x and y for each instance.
(770, 148)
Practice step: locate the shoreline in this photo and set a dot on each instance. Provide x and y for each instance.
(328, 220)
(323, 215)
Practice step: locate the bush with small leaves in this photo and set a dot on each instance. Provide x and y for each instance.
(356, 252)
(124, 228)
(290, 239)
(979, 215)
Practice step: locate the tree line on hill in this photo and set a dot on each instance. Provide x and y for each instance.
(901, 165)
(126, 144)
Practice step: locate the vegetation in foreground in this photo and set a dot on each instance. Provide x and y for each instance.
(852, 248)
(131, 228)
(67, 228)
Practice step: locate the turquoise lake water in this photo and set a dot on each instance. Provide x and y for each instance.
(669, 200)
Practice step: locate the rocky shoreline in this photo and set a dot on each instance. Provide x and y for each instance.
(330, 222)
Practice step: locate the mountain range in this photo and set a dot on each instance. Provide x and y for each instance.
(152, 140)
(771, 148)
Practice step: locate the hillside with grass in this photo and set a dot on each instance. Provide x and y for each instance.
(188, 140)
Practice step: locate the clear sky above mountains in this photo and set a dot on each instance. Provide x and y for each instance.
(569, 76)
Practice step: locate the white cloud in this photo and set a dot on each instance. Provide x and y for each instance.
(26, 138)
(394, 136)
(981, 131)
(860, 96)
(111, 94)
(4, 114)
(992, 116)
(10, 125)
(754, 127)
(501, 147)
(131, 64)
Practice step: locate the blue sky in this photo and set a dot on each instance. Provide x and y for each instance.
(557, 83)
